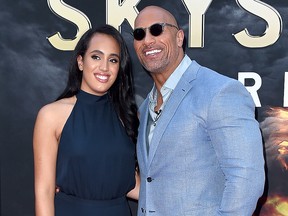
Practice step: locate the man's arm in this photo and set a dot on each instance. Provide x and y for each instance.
(237, 140)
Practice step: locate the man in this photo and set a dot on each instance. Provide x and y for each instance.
(199, 145)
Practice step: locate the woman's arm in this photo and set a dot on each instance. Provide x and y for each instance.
(134, 193)
(45, 146)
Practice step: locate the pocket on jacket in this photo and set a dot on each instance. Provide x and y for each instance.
(201, 209)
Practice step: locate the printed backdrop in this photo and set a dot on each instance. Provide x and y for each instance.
(243, 39)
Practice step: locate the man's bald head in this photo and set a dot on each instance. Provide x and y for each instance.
(158, 13)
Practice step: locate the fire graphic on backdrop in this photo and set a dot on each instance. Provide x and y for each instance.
(275, 206)
(275, 134)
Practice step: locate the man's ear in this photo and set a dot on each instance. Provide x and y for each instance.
(180, 37)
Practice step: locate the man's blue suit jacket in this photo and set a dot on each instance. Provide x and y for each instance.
(206, 154)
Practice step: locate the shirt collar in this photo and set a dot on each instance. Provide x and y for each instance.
(167, 88)
(173, 80)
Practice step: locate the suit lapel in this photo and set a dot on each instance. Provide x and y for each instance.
(182, 88)
(142, 138)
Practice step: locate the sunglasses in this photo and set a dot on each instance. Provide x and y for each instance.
(155, 30)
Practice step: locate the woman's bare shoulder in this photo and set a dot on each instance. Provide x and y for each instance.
(54, 115)
(57, 107)
(57, 110)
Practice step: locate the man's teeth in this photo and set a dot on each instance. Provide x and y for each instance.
(152, 52)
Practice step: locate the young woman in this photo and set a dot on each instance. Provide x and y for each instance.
(84, 142)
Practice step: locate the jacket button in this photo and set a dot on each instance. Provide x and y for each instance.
(149, 179)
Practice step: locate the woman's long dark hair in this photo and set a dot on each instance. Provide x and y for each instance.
(121, 92)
